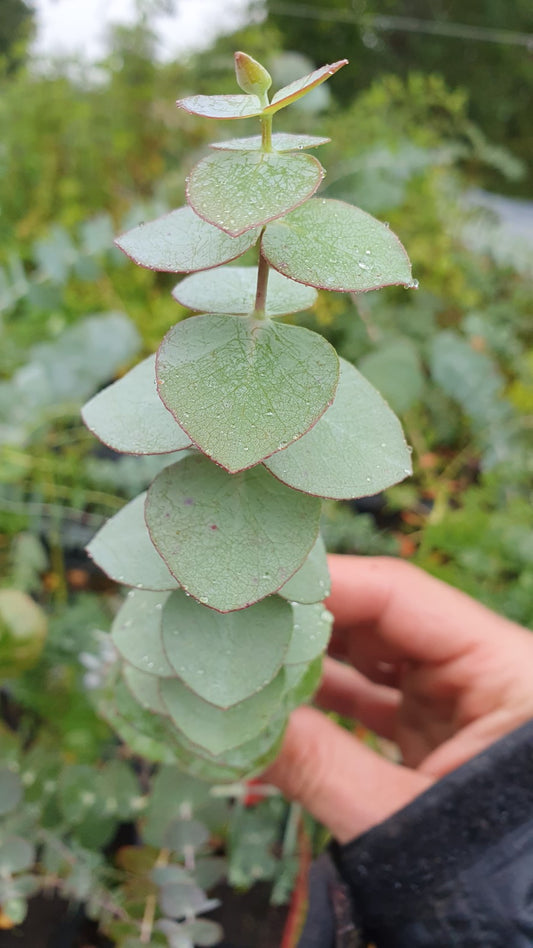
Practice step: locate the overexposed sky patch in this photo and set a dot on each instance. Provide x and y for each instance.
(79, 27)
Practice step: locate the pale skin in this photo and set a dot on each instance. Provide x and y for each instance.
(422, 665)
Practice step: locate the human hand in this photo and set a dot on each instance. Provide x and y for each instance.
(431, 669)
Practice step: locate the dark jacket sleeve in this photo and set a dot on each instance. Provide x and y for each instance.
(454, 868)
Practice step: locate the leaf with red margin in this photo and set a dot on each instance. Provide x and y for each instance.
(242, 388)
(335, 246)
(221, 106)
(295, 90)
(182, 242)
(229, 539)
(240, 190)
(281, 141)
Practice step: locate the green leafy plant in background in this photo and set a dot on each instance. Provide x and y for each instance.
(223, 631)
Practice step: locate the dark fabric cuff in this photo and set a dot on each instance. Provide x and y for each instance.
(441, 833)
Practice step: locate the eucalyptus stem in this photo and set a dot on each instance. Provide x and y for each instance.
(266, 133)
(262, 283)
(148, 920)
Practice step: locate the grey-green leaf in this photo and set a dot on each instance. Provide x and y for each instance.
(311, 582)
(233, 289)
(226, 658)
(396, 371)
(302, 682)
(281, 141)
(10, 790)
(213, 729)
(335, 246)
(16, 854)
(230, 540)
(144, 688)
(243, 761)
(125, 552)
(136, 632)
(356, 449)
(221, 106)
(181, 242)
(311, 632)
(129, 415)
(242, 388)
(182, 834)
(151, 737)
(240, 190)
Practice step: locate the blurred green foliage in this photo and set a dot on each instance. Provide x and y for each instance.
(392, 36)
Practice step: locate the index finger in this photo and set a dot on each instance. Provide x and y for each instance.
(392, 610)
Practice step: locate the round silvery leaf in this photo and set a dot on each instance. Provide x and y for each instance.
(302, 682)
(281, 141)
(311, 582)
(225, 658)
(125, 552)
(356, 449)
(202, 519)
(335, 246)
(214, 729)
(311, 632)
(151, 739)
(144, 688)
(184, 834)
(181, 242)
(136, 632)
(242, 761)
(233, 289)
(16, 854)
(239, 190)
(10, 790)
(221, 106)
(129, 415)
(242, 388)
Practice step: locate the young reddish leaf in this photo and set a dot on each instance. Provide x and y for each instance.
(281, 141)
(221, 106)
(229, 539)
(243, 388)
(251, 76)
(295, 90)
(335, 246)
(233, 289)
(130, 417)
(181, 242)
(239, 190)
(374, 453)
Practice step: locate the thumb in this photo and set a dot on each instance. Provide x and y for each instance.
(341, 782)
